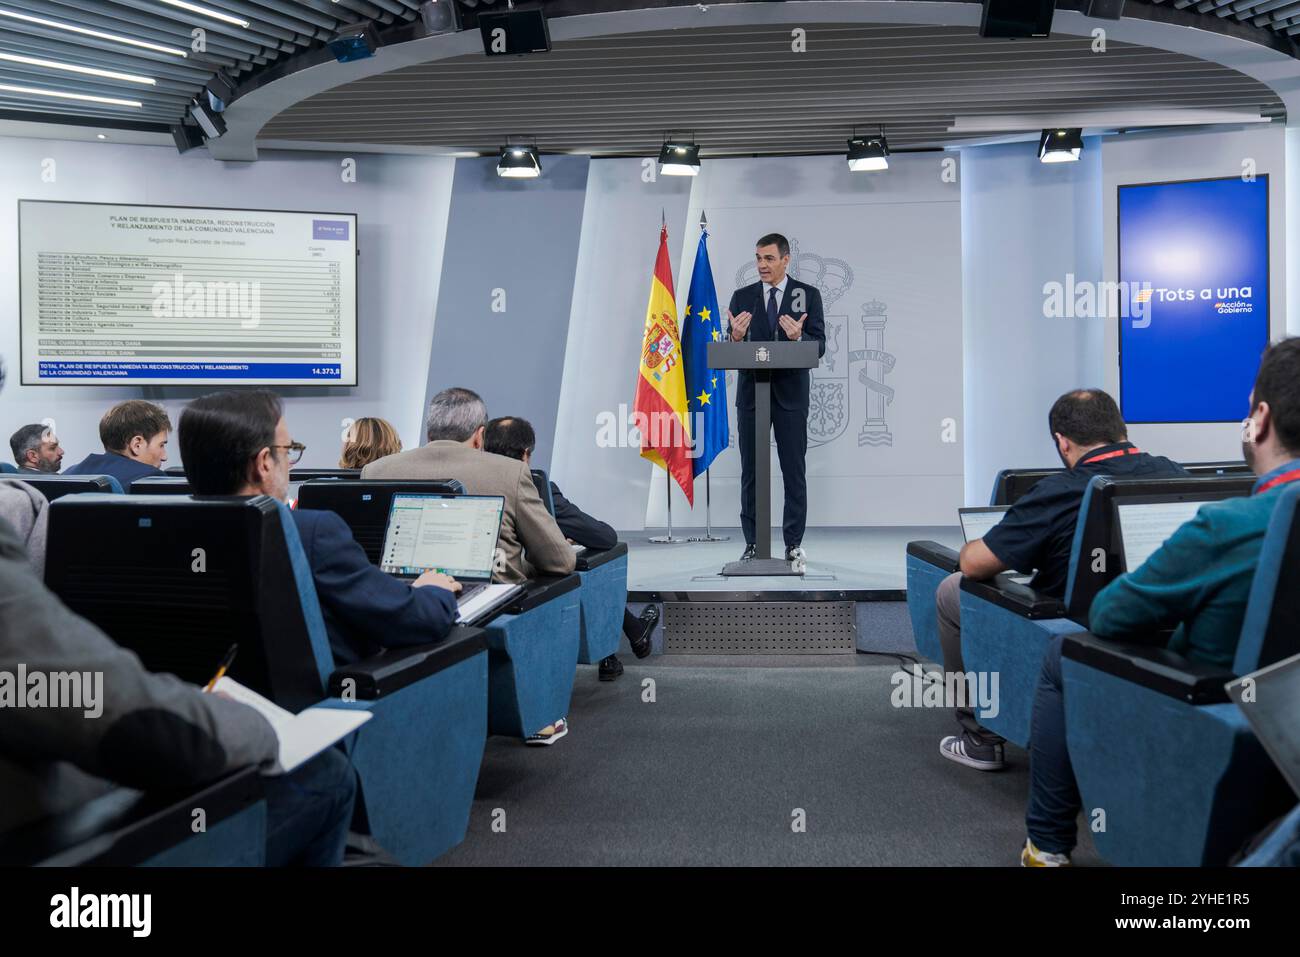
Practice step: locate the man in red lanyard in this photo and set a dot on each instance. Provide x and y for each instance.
(1198, 580)
(1037, 535)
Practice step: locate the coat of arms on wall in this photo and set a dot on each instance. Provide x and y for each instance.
(829, 411)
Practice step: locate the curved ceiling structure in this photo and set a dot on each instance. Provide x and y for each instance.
(741, 90)
(622, 72)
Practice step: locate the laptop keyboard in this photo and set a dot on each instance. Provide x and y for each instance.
(469, 591)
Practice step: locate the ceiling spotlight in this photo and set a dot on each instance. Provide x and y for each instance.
(186, 137)
(679, 159)
(355, 41)
(868, 153)
(1060, 145)
(100, 136)
(208, 119)
(519, 162)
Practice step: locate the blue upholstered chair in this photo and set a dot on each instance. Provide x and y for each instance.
(6, 468)
(1157, 745)
(125, 828)
(532, 657)
(128, 563)
(1007, 627)
(603, 599)
(57, 486)
(929, 563)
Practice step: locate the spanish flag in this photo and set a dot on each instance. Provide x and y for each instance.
(660, 407)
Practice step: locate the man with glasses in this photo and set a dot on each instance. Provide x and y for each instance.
(237, 443)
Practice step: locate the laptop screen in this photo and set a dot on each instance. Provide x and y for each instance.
(452, 534)
(1145, 526)
(975, 522)
(1273, 708)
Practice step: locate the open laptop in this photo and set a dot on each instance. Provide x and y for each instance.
(975, 522)
(1146, 525)
(1270, 700)
(453, 534)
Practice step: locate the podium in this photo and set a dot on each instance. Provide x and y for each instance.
(763, 358)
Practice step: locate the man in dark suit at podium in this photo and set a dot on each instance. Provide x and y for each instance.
(776, 308)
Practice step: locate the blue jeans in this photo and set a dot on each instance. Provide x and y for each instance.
(309, 812)
(1054, 801)
(1281, 848)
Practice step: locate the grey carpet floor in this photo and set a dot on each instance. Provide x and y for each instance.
(714, 770)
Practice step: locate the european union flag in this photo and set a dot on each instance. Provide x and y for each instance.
(706, 389)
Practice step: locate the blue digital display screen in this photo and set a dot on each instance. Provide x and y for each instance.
(1191, 339)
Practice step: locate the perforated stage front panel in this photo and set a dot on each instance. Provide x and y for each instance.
(759, 628)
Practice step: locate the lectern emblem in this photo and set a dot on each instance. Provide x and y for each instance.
(762, 355)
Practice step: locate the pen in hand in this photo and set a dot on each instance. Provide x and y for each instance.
(226, 662)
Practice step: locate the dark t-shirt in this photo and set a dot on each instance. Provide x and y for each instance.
(1038, 530)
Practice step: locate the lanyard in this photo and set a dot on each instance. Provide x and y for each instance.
(1089, 459)
(1291, 476)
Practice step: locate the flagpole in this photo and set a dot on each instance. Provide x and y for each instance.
(668, 539)
(708, 535)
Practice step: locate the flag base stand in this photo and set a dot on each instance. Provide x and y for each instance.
(709, 538)
(668, 539)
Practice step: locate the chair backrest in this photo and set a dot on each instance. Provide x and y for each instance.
(175, 470)
(1096, 527)
(1271, 629)
(306, 475)
(57, 486)
(1202, 469)
(544, 489)
(6, 468)
(179, 580)
(161, 485)
(364, 504)
(1010, 485)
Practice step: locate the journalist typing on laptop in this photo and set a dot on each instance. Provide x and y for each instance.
(239, 444)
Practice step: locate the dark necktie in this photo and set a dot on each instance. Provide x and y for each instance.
(771, 313)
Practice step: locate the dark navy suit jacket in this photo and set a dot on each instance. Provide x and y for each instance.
(576, 524)
(366, 609)
(790, 387)
(120, 467)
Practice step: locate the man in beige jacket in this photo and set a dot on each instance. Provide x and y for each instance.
(531, 543)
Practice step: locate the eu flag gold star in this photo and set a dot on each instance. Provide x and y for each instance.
(703, 398)
(704, 314)
(717, 336)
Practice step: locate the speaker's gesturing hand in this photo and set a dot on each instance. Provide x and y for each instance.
(793, 328)
(739, 325)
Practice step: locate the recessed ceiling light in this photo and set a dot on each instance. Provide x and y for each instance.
(87, 32)
(74, 68)
(60, 94)
(101, 136)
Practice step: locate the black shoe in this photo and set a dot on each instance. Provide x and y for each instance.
(750, 552)
(647, 620)
(610, 668)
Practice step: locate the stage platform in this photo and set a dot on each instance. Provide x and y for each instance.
(861, 564)
(851, 598)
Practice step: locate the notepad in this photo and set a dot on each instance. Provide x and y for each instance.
(301, 736)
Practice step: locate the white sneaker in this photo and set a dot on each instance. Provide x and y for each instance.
(549, 734)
